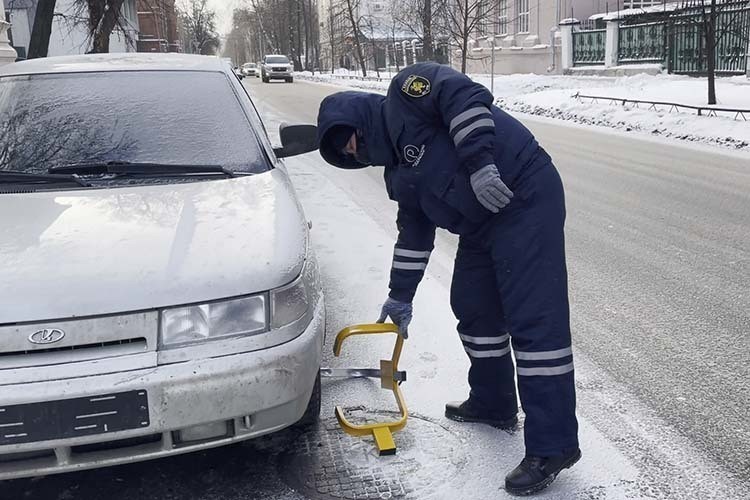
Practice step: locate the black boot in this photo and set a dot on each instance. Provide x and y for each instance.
(473, 411)
(536, 473)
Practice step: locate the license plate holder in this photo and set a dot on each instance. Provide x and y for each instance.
(67, 418)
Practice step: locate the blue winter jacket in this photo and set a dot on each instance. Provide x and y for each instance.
(434, 129)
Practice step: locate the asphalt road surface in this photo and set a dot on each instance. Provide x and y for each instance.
(658, 238)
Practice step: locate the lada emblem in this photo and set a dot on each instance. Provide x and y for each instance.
(47, 336)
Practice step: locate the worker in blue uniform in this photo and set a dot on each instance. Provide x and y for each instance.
(454, 160)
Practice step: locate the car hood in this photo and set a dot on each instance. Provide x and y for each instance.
(105, 251)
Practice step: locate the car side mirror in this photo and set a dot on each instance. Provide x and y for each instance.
(296, 140)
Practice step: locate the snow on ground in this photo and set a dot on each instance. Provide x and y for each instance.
(553, 97)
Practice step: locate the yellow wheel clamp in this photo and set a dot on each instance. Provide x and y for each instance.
(390, 378)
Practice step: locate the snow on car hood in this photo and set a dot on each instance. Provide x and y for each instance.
(104, 251)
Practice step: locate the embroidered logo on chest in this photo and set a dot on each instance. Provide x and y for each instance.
(413, 154)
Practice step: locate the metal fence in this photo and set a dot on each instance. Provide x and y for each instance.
(642, 43)
(687, 47)
(678, 42)
(589, 47)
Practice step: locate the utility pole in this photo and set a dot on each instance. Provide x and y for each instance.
(491, 39)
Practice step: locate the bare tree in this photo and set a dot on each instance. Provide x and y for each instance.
(199, 23)
(104, 17)
(716, 20)
(352, 14)
(423, 19)
(40, 33)
(463, 19)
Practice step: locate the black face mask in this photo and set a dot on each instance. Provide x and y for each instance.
(362, 156)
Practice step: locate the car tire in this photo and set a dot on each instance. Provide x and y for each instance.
(312, 413)
(266, 80)
(290, 80)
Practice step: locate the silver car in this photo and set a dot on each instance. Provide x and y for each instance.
(159, 294)
(276, 67)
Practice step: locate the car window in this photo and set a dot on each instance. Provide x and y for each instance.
(277, 60)
(258, 122)
(171, 117)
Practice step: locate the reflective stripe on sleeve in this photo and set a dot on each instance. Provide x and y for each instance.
(412, 254)
(469, 113)
(471, 128)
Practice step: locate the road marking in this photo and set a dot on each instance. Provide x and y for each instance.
(7, 436)
(15, 424)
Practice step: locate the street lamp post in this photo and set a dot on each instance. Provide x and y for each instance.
(7, 53)
(491, 41)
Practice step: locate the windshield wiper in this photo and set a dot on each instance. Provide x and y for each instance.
(128, 168)
(19, 177)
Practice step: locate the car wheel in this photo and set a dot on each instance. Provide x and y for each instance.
(312, 413)
(289, 80)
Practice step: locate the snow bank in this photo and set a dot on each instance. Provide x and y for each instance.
(553, 97)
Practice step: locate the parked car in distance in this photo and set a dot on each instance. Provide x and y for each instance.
(159, 292)
(276, 67)
(250, 69)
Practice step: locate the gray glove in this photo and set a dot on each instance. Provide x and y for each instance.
(400, 314)
(490, 189)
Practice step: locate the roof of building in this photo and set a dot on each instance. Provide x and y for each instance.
(115, 62)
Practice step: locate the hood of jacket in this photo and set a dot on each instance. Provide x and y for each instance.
(359, 110)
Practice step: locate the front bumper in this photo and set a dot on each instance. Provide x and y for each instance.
(278, 74)
(254, 393)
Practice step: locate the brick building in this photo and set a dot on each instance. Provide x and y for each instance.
(157, 20)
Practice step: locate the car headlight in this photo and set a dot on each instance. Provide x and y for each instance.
(289, 303)
(188, 324)
(243, 316)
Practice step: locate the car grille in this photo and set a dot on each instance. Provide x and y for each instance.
(130, 345)
(278, 69)
(25, 345)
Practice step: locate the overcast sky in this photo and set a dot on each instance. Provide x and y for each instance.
(224, 10)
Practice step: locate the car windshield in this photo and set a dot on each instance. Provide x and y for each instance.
(250, 65)
(159, 117)
(277, 60)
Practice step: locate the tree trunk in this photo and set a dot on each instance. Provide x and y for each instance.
(39, 43)
(103, 19)
(465, 37)
(428, 54)
(298, 50)
(711, 53)
(357, 45)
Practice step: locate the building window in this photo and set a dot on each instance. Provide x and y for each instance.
(522, 16)
(377, 7)
(483, 17)
(502, 18)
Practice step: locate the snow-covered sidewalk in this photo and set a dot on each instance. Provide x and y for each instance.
(554, 97)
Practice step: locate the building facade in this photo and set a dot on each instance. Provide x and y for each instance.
(69, 28)
(525, 33)
(157, 20)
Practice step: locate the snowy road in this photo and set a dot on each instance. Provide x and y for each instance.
(659, 258)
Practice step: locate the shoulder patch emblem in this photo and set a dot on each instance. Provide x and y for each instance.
(416, 86)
